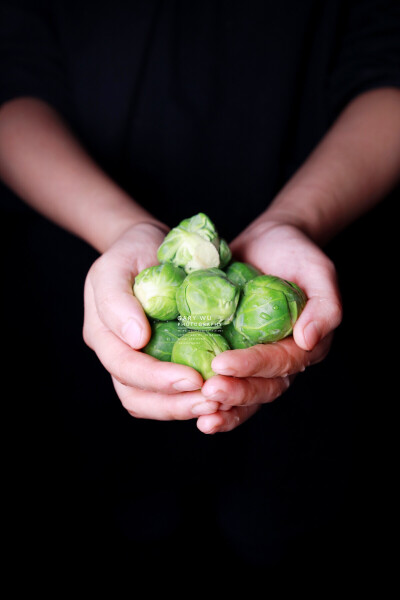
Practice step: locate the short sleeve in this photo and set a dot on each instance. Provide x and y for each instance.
(368, 50)
(30, 59)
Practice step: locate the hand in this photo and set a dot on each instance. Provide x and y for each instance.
(249, 378)
(115, 327)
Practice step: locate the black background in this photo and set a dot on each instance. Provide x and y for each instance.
(306, 486)
(72, 453)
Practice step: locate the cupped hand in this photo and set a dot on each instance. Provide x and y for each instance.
(115, 327)
(246, 379)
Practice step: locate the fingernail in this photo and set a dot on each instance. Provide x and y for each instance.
(312, 334)
(214, 394)
(185, 385)
(204, 408)
(223, 370)
(133, 333)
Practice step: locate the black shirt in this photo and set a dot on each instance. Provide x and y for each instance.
(202, 105)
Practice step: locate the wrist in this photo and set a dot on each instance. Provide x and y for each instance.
(102, 238)
(304, 209)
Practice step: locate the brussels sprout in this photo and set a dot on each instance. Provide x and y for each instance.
(235, 339)
(197, 349)
(268, 309)
(240, 273)
(193, 244)
(225, 254)
(206, 299)
(301, 294)
(155, 288)
(164, 334)
(200, 224)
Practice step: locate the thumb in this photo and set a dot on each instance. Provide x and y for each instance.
(116, 305)
(319, 317)
(323, 310)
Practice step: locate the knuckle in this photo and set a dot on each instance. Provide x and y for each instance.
(121, 367)
(330, 268)
(86, 335)
(123, 393)
(122, 380)
(127, 397)
(255, 359)
(284, 384)
(275, 390)
(244, 392)
(283, 360)
(337, 313)
(231, 423)
(330, 265)
(161, 378)
(133, 413)
(96, 267)
(276, 357)
(172, 413)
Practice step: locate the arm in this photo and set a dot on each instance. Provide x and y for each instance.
(44, 163)
(351, 169)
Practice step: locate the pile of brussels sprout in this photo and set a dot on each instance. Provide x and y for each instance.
(200, 302)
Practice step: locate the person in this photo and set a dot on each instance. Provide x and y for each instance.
(117, 122)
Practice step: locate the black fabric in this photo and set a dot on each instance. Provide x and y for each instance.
(190, 106)
(211, 102)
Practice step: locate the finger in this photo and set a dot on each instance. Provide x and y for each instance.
(112, 280)
(137, 369)
(235, 391)
(134, 368)
(270, 360)
(226, 421)
(319, 317)
(323, 311)
(144, 404)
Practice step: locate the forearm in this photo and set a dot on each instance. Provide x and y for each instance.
(354, 166)
(43, 162)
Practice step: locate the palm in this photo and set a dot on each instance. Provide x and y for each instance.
(286, 252)
(260, 372)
